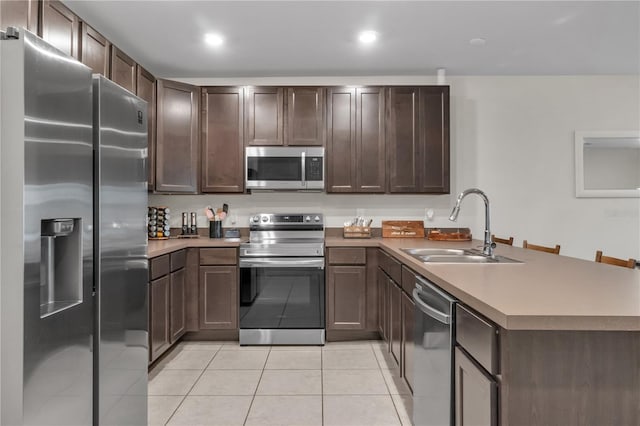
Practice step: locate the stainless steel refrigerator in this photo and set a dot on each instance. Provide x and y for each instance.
(73, 295)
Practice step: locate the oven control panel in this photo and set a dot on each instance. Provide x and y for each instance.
(286, 219)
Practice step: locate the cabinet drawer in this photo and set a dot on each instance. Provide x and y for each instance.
(218, 256)
(159, 266)
(408, 280)
(478, 337)
(178, 260)
(347, 256)
(390, 266)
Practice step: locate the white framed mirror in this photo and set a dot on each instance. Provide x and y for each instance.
(607, 164)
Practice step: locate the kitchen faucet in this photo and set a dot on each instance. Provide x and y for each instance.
(488, 244)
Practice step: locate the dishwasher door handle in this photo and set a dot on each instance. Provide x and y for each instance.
(430, 310)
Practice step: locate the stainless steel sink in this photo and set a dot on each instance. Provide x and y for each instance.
(433, 252)
(428, 255)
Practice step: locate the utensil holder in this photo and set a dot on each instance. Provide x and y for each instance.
(356, 232)
(215, 229)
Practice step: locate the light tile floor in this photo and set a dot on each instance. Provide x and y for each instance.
(222, 383)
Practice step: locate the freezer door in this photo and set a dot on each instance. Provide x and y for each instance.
(58, 237)
(120, 129)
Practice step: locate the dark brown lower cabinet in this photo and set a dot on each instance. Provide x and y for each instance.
(408, 317)
(395, 319)
(476, 393)
(219, 297)
(159, 328)
(383, 312)
(346, 297)
(178, 297)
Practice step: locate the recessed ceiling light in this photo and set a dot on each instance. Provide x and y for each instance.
(477, 41)
(213, 39)
(367, 37)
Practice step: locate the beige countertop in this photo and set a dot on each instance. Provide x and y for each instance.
(159, 247)
(546, 292)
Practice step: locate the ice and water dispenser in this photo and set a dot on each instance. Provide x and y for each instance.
(60, 265)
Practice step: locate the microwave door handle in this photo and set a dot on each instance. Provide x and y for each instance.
(304, 172)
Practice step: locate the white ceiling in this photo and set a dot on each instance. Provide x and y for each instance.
(319, 38)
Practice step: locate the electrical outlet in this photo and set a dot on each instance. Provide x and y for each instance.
(428, 214)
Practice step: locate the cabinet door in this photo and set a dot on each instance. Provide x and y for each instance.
(219, 297)
(159, 327)
(370, 141)
(383, 305)
(222, 139)
(95, 50)
(403, 138)
(408, 318)
(146, 90)
(264, 116)
(305, 125)
(123, 69)
(341, 139)
(395, 318)
(178, 298)
(19, 14)
(60, 27)
(476, 400)
(176, 161)
(434, 134)
(346, 297)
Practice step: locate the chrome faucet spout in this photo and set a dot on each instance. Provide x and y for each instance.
(488, 244)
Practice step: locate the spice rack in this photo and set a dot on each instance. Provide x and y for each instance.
(158, 224)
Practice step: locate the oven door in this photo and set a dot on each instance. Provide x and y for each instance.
(282, 293)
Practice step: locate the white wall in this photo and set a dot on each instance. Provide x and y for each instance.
(511, 137)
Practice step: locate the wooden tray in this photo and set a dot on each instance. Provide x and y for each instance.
(402, 229)
(356, 232)
(449, 234)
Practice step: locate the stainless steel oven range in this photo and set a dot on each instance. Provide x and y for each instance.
(282, 298)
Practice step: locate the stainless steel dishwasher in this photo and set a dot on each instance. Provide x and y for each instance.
(433, 357)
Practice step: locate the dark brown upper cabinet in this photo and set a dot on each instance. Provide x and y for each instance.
(305, 119)
(96, 50)
(19, 14)
(434, 102)
(146, 90)
(123, 69)
(264, 116)
(177, 148)
(222, 139)
(355, 140)
(60, 27)
(418, 139)
(341, 139)
(285, 116)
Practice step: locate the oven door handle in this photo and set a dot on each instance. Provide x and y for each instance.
(282, 262)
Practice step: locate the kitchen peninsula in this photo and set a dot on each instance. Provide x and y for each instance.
(569, 329)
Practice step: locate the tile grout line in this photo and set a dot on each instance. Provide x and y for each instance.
(192, 386)
(322, 385)
(255, 392)
(389, 394)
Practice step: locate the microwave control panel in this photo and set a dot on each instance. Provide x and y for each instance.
(313, 168)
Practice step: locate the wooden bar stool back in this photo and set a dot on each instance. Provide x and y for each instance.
(507, 241)
(553, 250)
(631, 263)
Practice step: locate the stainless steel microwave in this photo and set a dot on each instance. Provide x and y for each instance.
(284, 168)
